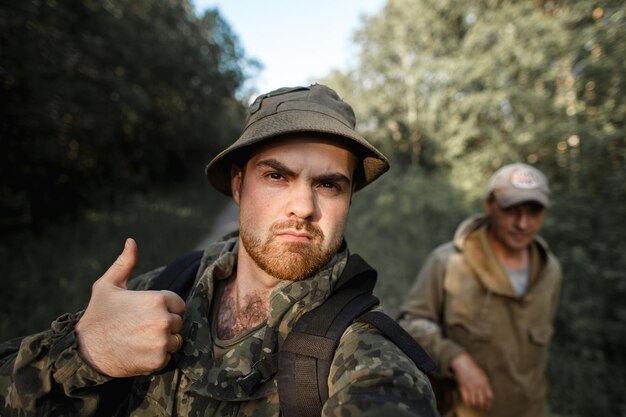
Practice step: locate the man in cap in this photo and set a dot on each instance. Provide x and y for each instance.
(293, 172)
(483, 305)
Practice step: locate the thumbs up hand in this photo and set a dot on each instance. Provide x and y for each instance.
(128, 333)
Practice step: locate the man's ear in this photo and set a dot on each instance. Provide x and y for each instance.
(489, 202)
(236, 181)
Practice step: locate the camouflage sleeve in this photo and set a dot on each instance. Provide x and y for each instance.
(43, 375)
(421, 313)
(371, 376)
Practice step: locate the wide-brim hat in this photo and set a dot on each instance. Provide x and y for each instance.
(316, 108)
(519, 183)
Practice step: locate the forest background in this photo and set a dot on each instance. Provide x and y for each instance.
(110, 109)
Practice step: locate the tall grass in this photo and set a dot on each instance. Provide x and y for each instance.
(47, 274)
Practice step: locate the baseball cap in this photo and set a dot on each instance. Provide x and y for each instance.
(516, 183)
(316, 108)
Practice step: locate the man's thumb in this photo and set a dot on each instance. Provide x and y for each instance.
(120, 271)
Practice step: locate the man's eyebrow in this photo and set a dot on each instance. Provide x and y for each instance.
(276, 165)
(284, 170)
(333, 177)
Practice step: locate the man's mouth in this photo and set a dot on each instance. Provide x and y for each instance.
(296, 231)
(520, 236)
(294, 235)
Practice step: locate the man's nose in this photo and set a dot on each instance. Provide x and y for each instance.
(302, 201)
(522, 219)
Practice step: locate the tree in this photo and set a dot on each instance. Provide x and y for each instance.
(98, 97)
(458, 88)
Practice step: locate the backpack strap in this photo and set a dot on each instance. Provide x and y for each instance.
(392, 330)
(179, 275)
(307, 353)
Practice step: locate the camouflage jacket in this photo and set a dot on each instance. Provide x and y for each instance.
(369, 375)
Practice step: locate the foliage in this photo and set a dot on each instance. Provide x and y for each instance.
(52, 273)
(452, 90)
(396, 221)
(100, 97)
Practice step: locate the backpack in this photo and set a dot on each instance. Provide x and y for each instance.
(302, 365)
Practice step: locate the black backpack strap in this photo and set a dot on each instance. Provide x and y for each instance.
(357, 267)
(179, 275)
(393, 331)
(306, 355)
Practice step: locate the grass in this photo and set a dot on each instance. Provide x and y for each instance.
(50, 273)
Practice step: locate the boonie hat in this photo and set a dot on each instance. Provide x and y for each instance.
(316, 108)
(516, 183)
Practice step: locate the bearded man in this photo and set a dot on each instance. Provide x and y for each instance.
(293, 172)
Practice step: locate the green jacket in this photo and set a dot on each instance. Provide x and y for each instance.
(462, 301)
(369, 374)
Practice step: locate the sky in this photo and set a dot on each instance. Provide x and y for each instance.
(297, 41)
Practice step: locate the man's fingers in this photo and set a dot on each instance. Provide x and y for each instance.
(173, 302)
(120, 271)
(470, 399)
(179, 341)
(473, 398)
(488, 398)
(175, 343)
(466, 397)
(479, 400)
(176, 324)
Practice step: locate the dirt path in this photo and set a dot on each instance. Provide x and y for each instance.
(225, 222)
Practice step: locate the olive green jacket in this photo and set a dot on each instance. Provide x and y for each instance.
(369, 374)
(462, 301)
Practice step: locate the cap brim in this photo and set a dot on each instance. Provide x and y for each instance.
(508, 199)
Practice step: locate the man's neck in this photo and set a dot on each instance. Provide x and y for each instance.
(245, 300)
(240, 309)
(510, 258)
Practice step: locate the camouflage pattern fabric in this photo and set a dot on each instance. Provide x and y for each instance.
(369, 374)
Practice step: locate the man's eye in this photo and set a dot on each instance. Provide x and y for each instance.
(330, 185)
(274, 176)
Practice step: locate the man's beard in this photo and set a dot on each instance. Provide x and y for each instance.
(292, 261)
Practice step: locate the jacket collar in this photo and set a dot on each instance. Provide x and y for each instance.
(471, 240)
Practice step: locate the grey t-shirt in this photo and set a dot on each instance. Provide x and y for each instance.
(518, 279)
